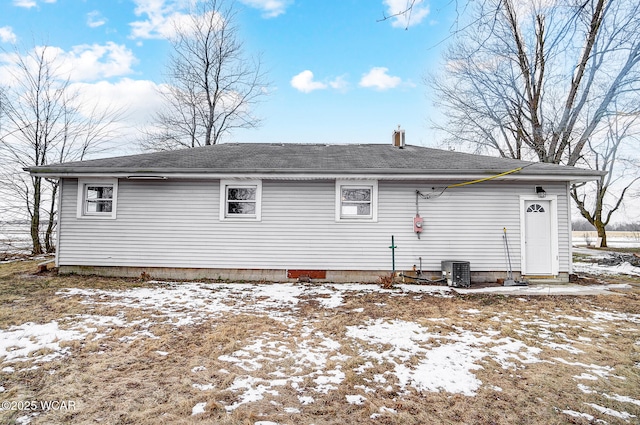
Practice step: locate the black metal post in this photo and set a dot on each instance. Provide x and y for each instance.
(393, 255)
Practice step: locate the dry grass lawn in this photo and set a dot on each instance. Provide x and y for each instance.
(316, 360)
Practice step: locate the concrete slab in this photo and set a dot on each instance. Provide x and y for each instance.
(540, 289)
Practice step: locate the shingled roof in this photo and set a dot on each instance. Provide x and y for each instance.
(315, 159)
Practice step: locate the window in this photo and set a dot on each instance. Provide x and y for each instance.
(535, 208)
(356, 200)
(240, 200)
(97, 199)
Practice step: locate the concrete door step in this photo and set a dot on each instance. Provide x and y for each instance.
(545, 281)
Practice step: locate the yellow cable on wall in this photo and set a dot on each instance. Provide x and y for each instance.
(515, 170)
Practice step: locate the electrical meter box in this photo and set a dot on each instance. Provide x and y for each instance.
(457, 273)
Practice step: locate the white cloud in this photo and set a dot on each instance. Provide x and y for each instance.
(131, 103)
(158, 26)
(304, 82)
(83, 63)
(159, 18)
(418, 12)
(270, 8)
(378, 78)
(139, 98)
(163, 18)
(7, 35)
(95, 19)
(339, 83)
(158, 22)
(28, 4)
(91, 62)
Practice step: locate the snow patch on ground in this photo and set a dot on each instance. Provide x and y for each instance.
(542, 289)
(420, 357)
(207, 300)
(445, 362)
(355, 399)
(598, 269)
(611, 412)
(19, 343)
(198, 408)
(307, 359)
(586, 416)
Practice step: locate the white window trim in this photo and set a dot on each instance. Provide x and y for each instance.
(82, 191)
(553, 216)
(373, 184)
(224, 184)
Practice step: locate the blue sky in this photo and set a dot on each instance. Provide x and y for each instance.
(338, 74)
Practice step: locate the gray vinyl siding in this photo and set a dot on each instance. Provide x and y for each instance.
(176, 223)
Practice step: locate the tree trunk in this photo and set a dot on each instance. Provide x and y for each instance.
(35, 217)
(594, 219)
(50, 245)
(602, 233)
(35, 235)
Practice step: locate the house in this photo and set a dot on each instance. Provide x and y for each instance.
(281, 211)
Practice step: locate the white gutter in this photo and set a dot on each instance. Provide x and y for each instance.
(307, 176)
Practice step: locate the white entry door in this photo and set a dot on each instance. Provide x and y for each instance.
(539, 251)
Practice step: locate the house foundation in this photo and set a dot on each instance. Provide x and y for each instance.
(276, 275)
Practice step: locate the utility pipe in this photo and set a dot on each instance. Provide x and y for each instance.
(393, 256)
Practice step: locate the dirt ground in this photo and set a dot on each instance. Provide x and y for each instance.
(145, 352)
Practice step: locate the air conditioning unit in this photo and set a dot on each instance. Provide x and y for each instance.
(457, 273)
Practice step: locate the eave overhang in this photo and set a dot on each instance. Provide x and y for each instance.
(531, 174)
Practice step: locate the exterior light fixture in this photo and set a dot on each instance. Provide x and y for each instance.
(540, 192)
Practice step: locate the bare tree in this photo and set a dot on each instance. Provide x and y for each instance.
(598, 201)
(46, 122)
(540, 80)
(535, 80)
(212, 85)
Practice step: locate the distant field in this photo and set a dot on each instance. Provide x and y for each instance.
(623, 235)
(15, 237)
(614, 239)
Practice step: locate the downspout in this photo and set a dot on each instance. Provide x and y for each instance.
(59, 212)
(417, 219)
(570, 230)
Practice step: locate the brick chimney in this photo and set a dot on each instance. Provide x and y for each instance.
(398, 138)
